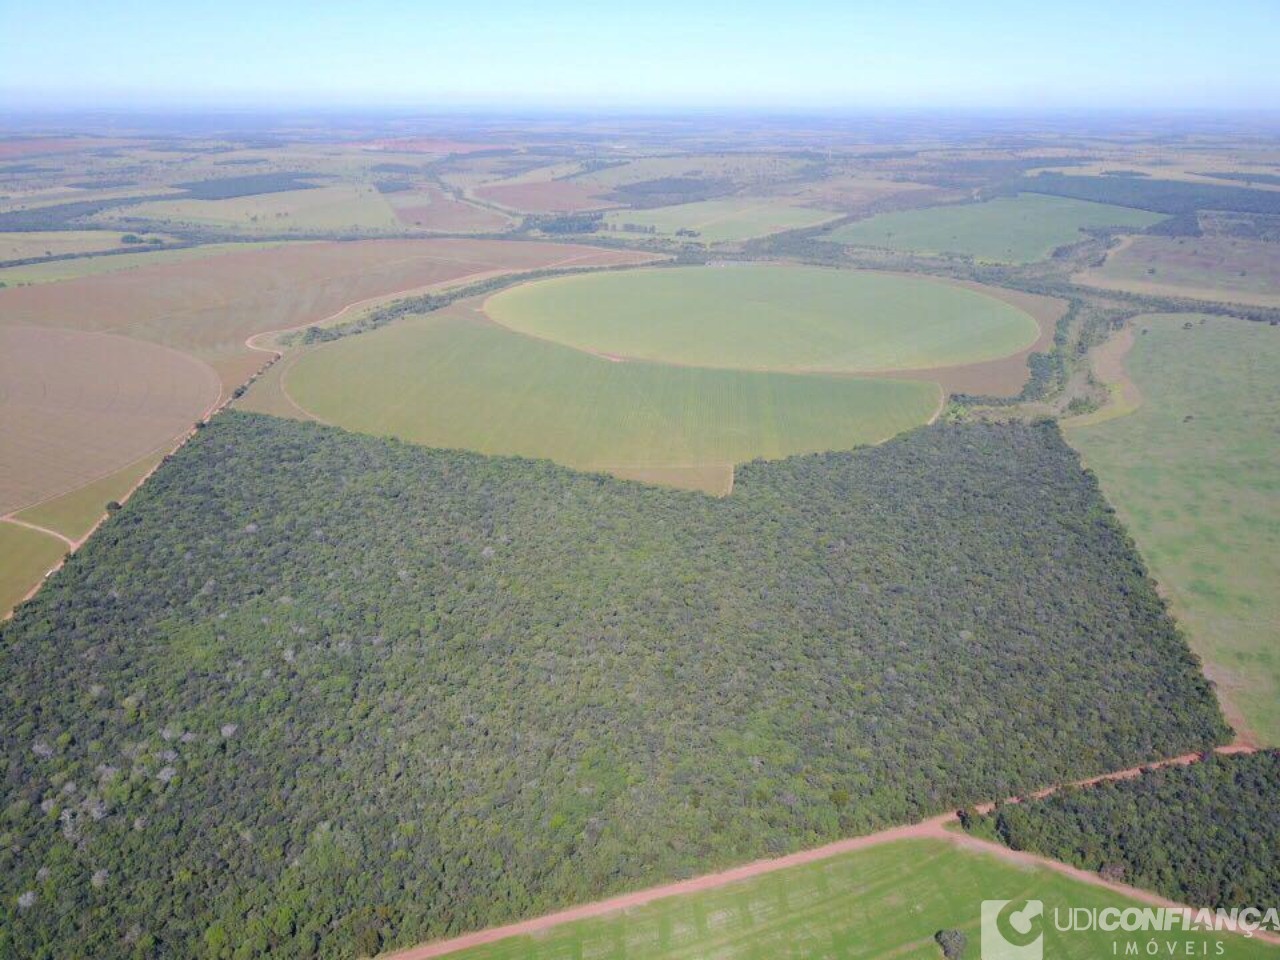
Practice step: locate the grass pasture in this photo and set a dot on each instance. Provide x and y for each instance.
(885, 901)
(1195, 473)
(25, 556)
(1203, 268)
(55, 243)
(346, 206)
(1019, 229)
(447, 380)
(721, 221)
(769, 318)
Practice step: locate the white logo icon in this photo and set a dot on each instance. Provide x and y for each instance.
(1012, 930)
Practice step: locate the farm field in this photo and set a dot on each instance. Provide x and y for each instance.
(886, 901)
(851, 193)
(209, 308)
(25, 556)
(86, 395)
(450, 381)
(323, 209)
(1019, 229)
(431, 208)
(53, 243)
(1203, 268)
(74, 514)
(1195, 473)
(739, 168)
(719, 221)
(542, 196)
(769, 318)
(75, 406)
(56, 270)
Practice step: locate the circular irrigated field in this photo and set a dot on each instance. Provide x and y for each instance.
(769, 317)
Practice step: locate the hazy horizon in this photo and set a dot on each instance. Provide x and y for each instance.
(570, 57)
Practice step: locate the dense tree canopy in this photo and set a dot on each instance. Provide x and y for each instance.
(1203, 834)
(311, 693)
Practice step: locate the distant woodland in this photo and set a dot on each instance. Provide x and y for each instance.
(315, 694)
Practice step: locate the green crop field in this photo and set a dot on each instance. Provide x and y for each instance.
(719, 221)
(880, 902)
(1018, 229)
(1195, 473)
(25, 555)
(449, 381)
(323, 209)
(769, 318)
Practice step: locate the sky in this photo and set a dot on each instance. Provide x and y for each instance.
(658, 54)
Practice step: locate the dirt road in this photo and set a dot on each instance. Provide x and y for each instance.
(934, 828)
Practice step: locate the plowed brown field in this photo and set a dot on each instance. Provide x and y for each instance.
(209, 307)
(75, 406)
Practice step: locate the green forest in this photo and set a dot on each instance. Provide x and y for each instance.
(316, 694)
(1162, 196)
(1203, 834)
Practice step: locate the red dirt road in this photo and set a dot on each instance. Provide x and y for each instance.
(934, 828)
(929, 828)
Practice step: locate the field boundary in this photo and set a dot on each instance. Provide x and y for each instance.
(932, 828)
(228, 394)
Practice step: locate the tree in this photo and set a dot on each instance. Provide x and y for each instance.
(952, 942)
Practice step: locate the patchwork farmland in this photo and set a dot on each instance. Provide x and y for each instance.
(448, 381)
(209, 310)
(670, 375)
(718, 221)
(861, 583)
(89, 394)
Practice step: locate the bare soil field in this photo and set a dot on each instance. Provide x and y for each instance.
(552, 196)
(209, 308)
(75, 406)
(431, 208)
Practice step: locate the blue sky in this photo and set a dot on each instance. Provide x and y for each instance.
(994, 54)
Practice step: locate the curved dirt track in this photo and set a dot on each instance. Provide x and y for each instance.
(935, 828)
